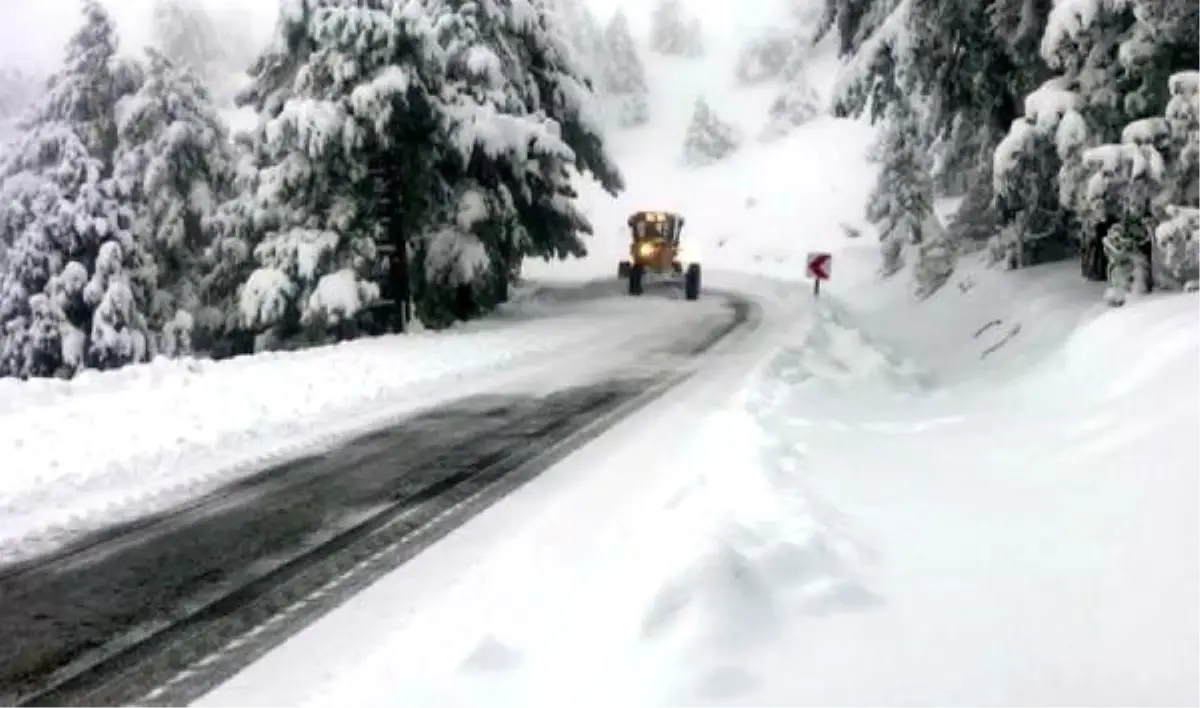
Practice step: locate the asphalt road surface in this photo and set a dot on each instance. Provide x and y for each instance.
(160, 611)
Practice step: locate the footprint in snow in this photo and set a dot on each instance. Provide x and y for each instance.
(491, 654)
(720, 684)
(665, 610)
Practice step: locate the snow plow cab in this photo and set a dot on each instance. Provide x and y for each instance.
(655, 250)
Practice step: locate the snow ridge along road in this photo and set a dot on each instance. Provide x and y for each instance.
(176, 603)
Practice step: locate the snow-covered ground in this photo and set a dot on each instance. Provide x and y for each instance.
(863, 516)
(986, 498)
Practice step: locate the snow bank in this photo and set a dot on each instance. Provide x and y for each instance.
(760, 553)
(986, 324)
(1138, 358)
(1037, 541)
(827, 355)
(109, 446)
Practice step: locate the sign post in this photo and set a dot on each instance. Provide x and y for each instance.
(818, 268)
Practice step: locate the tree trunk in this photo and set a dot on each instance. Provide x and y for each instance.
(1093, 261)
(464, 303)
(1147, 249)
(396, 287)
(345, 330)
(503, 270)
(403, 282)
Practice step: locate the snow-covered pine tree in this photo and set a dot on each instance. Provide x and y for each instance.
(797, 104)
(764, 57)
(1163, 40)
(975, 106)
(183, 31)
(1173, 23)
(516, 108)
(446, 127)
(217, 48)
(585, 36)
(709, 139)
(344, 108)
(1123, 192)
(964, 59)
(876, 71)
(632, 110)
(1183, 146)
(935, 256)
(1025, 173)
(557, 76)
(670, 29)
(853, 22)
(693, 38)
(901, 203)
(783, 49)
(233, 231)
(969, 61)
(1177, 238)
(1080, 42)
(1072, 138)
(70, 293)
(956, 153)
(173, 167)
(625, 75)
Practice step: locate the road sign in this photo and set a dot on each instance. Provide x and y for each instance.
(819, 265)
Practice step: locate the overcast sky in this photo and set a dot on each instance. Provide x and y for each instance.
(33, 31)
(717, 15)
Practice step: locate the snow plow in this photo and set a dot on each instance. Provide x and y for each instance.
(655, 252)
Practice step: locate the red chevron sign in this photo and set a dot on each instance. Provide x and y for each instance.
(819, 265)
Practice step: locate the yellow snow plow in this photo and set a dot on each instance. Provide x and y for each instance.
(654, 249)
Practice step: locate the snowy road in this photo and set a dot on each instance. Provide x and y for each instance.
(147, 438)
(163, 608)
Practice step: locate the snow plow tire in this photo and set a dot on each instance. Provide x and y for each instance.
(636, 275)
(691, 282)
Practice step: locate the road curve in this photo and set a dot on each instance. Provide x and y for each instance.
(159, 611)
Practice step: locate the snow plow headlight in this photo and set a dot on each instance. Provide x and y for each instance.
(645, 249)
